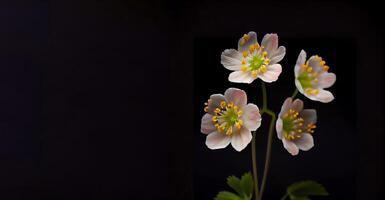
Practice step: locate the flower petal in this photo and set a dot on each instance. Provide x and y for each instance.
(290, 147)
(215, 102)
(240, 140)
(309, 116)
(297, 105)
(277, 55)
(326, 80)
(314, 62)
(285, 106)
(206, 124)
(323, 96)
(270, 42)
(272, 73)
(240, 77)
(237, 96)
(299, 86)
(300, 61)
(231, 59)
(243, 45)
(217, 140)
(251, 117)
(305, 143)
(279, 127)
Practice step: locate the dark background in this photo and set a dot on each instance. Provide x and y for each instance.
(100, 99)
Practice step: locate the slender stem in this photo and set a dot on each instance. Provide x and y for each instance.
(268, 151)
(294, 93)
(264, 96)
(254, 158)
(284, 197)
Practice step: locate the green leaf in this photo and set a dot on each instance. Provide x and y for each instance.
(225, 195)
(247, 184)
(303, 189)
(235, 183)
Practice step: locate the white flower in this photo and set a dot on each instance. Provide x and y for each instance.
(294, 126)
(252, 61)
(229, 119)
(312, 77)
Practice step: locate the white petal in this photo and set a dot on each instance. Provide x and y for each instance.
(279, 127)
(240, 77)
(207, 125)
(272, 73)
(215, 102)
(326, 80)
(285, 106)
(217, 140)
(322, 96)
(290, 147)
(297, 69)
(309, 116)
(240, 140)
(297, 105)
(270, 42)
(306, 142)
(301, 58)
(277, 55)
(314, 62)
(251, 117)
(244, 45)
(299, 86)
(237, 96)
(231, 59)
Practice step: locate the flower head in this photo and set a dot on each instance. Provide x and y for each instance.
(312, 76)
(252, 61)
(294, 126)
(229, 119)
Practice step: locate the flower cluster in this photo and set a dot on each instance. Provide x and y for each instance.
(229, 119)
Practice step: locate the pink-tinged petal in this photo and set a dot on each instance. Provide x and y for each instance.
(207, 125)
(314, 62)
(240, 77)
(285, 106)
(240, 140)
(299, 86)
(279, 127)
(217, 140)
(231, 59)
(215, 102)
(290, 147)
(277, 55)
(326, 80)
(244, 45)
(237, 96)
(309, 116)
(305, 142)
(301, 58)
(251, 117)
(272, 73)
(297, 105)
(322, 96)
(270, 42)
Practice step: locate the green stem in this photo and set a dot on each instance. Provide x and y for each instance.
(268, 151)
(254, 158)
(284, 197)
(294, 93)
(264, 96)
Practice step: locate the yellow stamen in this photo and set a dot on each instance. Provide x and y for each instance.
(263, 69)
(326, 68)
(245, 53)
(243, 62)
(243, 68)
(254, 73)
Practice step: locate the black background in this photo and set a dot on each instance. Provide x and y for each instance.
(100, 99)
